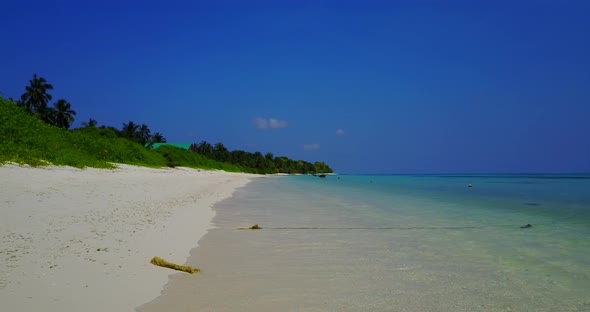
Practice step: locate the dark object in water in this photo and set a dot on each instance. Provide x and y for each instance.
(322, 176)
(526, 226)
(255, 227)
(469, 186)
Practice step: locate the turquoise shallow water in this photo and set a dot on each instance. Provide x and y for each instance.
(394, 243)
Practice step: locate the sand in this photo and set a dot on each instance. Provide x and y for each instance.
(81, 240)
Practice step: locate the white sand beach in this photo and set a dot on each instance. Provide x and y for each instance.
(81, 240)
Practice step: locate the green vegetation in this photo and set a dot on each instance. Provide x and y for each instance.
(262, 164)
(140, 134)
(178, 157)
(35, 134)
(163, 263)
(36, 98)
(28, 140)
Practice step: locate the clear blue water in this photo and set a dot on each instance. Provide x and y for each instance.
(395, 243)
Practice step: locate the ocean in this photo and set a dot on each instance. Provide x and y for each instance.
(394, 243)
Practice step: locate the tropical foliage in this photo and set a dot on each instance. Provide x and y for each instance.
(178, 157)
(158, 138)
(36, 98)
(261, 163)
(63, 115)
(28, 140)
(36, 134)
(91, 123)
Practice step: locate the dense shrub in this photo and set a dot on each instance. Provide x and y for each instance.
(176, 156)
(25, 139)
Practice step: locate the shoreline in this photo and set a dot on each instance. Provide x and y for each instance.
(82, 239)
(326, 248)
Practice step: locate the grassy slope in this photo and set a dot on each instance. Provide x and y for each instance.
(24, 139)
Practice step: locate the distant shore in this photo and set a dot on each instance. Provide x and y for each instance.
(81, 240)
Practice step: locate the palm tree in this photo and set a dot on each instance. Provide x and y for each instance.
(36, 96)
(158, 138)
(129, 130)
(143, 134)
(220, 153)
(64, 114)
(47, 114)
(91, 123)
(205, 149)
(259, 160)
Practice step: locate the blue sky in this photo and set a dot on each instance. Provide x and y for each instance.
(366, 86)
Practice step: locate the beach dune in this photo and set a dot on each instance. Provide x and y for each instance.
(82, 239)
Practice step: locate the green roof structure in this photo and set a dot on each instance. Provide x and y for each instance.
(185, 146)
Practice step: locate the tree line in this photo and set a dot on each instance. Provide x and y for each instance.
(262, 163)
(35, 100)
